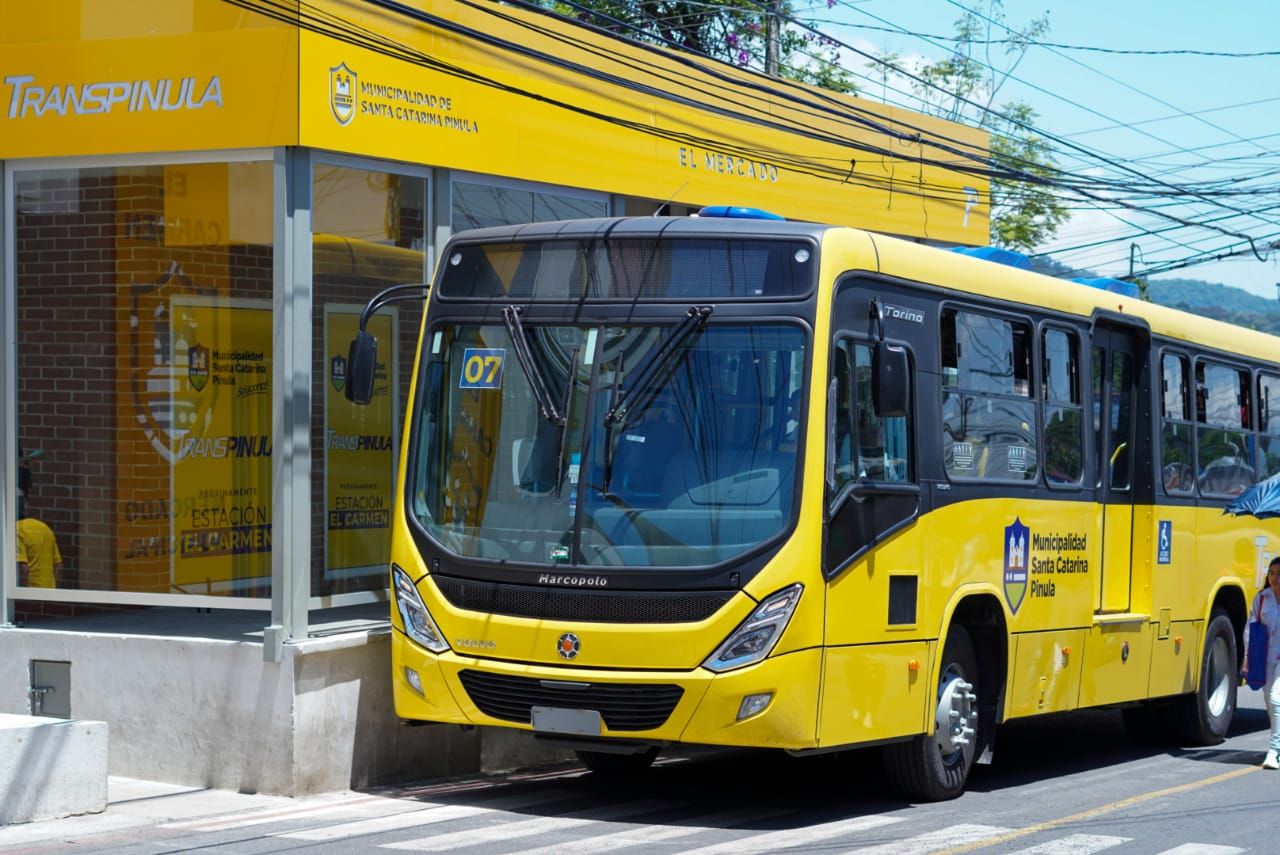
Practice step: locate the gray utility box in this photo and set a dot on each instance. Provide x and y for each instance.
(50, 688)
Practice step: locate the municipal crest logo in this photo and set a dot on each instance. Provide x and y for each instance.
(198, 366)
(168, 367)
(342, 93)
(1017, 538)
(567, 645)
(338, 372)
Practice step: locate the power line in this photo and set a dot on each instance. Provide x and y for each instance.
(1231, 54)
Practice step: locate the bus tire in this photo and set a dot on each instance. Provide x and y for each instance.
(934, 767)
(1203, 717)
(610, 765)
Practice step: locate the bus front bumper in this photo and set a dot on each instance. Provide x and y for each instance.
(704, 707)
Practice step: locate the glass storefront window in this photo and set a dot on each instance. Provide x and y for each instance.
(144, 349)
(477, 206)
(369, 233)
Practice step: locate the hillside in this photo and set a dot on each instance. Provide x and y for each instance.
(1215, 300)
(1210, 299)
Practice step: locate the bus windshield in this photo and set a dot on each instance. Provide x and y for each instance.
(696, 467)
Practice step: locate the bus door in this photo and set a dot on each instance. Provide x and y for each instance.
(1115, 395)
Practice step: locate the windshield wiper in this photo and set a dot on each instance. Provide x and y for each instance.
(537, 383)
(693, 321)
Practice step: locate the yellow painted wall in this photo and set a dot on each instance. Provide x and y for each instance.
(95, 77)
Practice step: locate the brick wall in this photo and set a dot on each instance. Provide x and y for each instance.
(94, 260)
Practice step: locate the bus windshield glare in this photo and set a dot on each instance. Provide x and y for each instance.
(696, 467)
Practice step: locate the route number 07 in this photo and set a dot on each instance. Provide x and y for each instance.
(482, 368)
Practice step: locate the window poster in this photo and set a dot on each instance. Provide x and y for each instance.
(360, 443)
(194, 444)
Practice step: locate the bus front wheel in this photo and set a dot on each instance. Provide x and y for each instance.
(1203, 717)
(936, 766)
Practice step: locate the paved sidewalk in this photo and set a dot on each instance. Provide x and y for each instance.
(134, 804)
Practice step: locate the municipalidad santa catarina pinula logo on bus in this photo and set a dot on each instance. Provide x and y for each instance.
(1017, 538)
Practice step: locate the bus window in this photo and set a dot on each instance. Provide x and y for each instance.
(1063, 412)
(988, 414)
(1119, 455)
(873, 474)
(1269, 423)
(1222, 408)
(867, 447)
(1177, 462)
(1096, 396)
(843, 418)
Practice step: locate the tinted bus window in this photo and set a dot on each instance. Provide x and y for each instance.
(629, 269)
(1177, 459)
(988, 415)
(1269, 424)
(868, 447)
(1224, 450)
(1063, 413)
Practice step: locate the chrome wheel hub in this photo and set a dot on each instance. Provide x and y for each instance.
(956, 716)
(1218, 675)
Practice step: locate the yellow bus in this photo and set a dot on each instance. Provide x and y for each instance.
(745, 482)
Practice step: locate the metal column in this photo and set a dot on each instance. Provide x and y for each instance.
(8, 399)
(441, 220)
(291, 411)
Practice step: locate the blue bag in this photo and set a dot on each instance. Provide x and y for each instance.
(1256, 659)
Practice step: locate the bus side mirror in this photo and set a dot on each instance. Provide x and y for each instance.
(362, 362)
(891, 387)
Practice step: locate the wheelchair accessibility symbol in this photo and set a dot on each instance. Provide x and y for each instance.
(1164, 542)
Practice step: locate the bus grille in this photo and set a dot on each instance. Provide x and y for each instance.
(593, 606)
(623, 707)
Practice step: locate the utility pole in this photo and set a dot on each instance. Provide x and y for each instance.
(772, 36)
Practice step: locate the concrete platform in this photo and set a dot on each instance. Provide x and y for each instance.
(51, 767)
(191, 702)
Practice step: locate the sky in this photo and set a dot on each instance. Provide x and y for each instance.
(1176, 118)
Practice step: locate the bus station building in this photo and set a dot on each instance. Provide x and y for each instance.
(197, 198)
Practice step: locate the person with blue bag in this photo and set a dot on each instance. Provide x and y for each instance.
(1262, 655)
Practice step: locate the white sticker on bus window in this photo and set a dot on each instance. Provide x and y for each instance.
(962, 455)
(1017, 458)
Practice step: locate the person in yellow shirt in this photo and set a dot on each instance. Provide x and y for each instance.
(39, 560)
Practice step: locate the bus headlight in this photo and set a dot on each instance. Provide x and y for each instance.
(413, 612)
(756, 636)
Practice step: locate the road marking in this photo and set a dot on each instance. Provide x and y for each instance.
(787, 838)
(243, 819)
(380, 824)
(1075, 844)
(526, 828)
(640, 835)
(1098, 811)
(1203, 849)
(955, 835)
(428, 815)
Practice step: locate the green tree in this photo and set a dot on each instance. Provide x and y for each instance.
(735, 31)
(1025, 212)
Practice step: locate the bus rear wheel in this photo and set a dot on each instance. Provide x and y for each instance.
(611, 765)
(1204, 716)
(935, 766)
